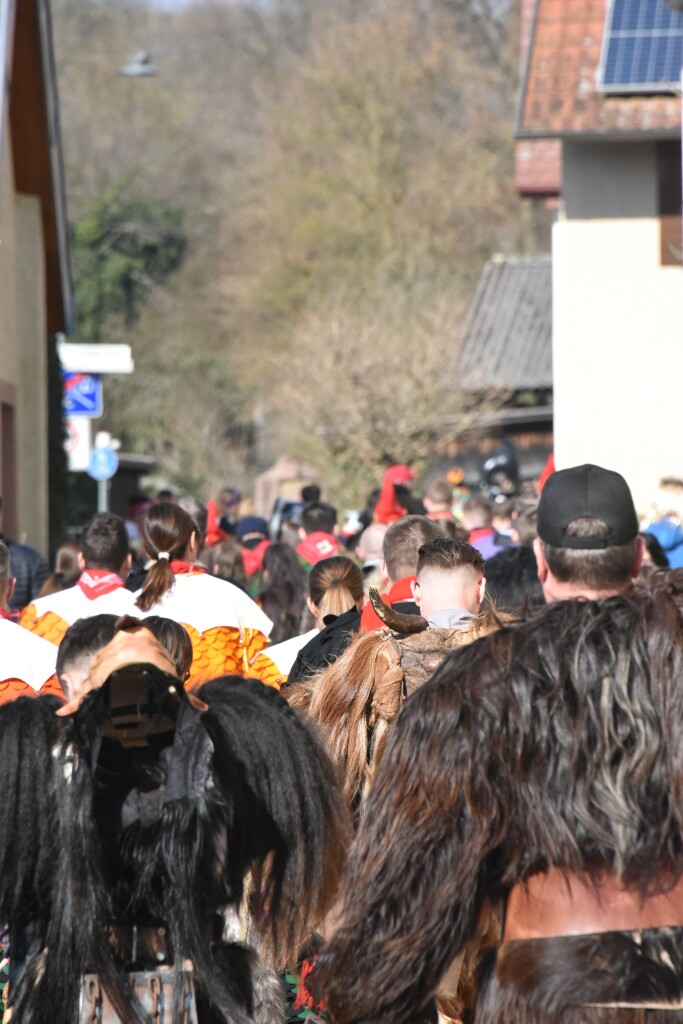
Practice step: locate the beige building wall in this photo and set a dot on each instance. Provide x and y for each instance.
(32, 418)
(617, 321)
(23, 376)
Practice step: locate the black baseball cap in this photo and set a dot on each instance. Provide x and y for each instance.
(581, 491)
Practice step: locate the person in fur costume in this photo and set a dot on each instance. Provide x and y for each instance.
(356, 702)
(130, 819)
(541, 766)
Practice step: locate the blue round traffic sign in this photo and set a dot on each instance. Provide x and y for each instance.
(103, 463)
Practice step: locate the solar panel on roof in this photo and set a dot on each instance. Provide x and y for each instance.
(642, 49)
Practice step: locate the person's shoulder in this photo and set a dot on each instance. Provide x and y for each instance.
(53, 602)
(24, 551)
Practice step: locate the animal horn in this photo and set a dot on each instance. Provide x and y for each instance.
(398, 621)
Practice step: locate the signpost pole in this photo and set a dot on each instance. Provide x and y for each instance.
(102, 495)
(102, 465)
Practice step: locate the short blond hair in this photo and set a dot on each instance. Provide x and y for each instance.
(440, 492)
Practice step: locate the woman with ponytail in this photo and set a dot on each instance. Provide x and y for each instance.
(335, 588)
(228, 630)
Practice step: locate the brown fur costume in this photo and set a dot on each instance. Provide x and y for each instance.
(553, 743)
(355, 702)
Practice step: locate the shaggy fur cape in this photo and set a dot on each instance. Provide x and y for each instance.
(243, 788)
(354, 701)
(558, 742)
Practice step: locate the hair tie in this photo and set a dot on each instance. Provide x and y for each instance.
(163, 554)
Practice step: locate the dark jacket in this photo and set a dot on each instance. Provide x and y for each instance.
(30, 570)
(323, 649)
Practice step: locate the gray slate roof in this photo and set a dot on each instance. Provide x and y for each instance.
(507, 337)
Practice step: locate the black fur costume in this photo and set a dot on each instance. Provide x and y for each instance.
(554, 743)
(93, 834)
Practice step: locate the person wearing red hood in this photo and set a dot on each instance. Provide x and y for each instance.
(221, 514)
(395, 500)
(318, 534)
(252, 533)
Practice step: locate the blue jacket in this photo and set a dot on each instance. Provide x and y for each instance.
(31, 572)
(670, 536)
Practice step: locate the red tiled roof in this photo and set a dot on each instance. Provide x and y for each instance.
(559, 96)
(538, 167)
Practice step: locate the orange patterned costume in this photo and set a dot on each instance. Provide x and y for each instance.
(228, 630)
(50, 617)
(27, 664)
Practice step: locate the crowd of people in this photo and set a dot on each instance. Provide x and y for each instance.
(425, 765)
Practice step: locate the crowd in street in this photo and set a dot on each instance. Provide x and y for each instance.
(421, 764)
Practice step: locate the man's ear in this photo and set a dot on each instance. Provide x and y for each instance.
(481, 590)
(81, 562)
(302, 533)
(12, 582)
(126, 566)
(67, 684)
(383, 572)
(637, 561)
(415, 590)
(68, 708)
(541, 564)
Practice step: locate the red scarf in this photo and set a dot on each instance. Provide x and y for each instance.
(96, 582)
(185, 568)
(317, 546)
(253, 557)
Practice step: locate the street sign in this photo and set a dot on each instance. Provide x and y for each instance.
(78, 357)
(82, 394)
(78, 443)
(103, 463)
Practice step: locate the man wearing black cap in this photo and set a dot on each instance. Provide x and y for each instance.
(588, 545)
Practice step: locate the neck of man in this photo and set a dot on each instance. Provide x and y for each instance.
(555, 590)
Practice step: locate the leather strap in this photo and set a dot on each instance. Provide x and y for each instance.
(556, 903)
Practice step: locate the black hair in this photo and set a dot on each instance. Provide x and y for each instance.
(512, 581)
(655, 550)
(284, 593)
(310, 493)
(319, 517)
(243, 789)
(104, 542)
(83, 639)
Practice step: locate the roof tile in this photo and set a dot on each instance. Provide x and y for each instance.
(507, 338)
(560, 96)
